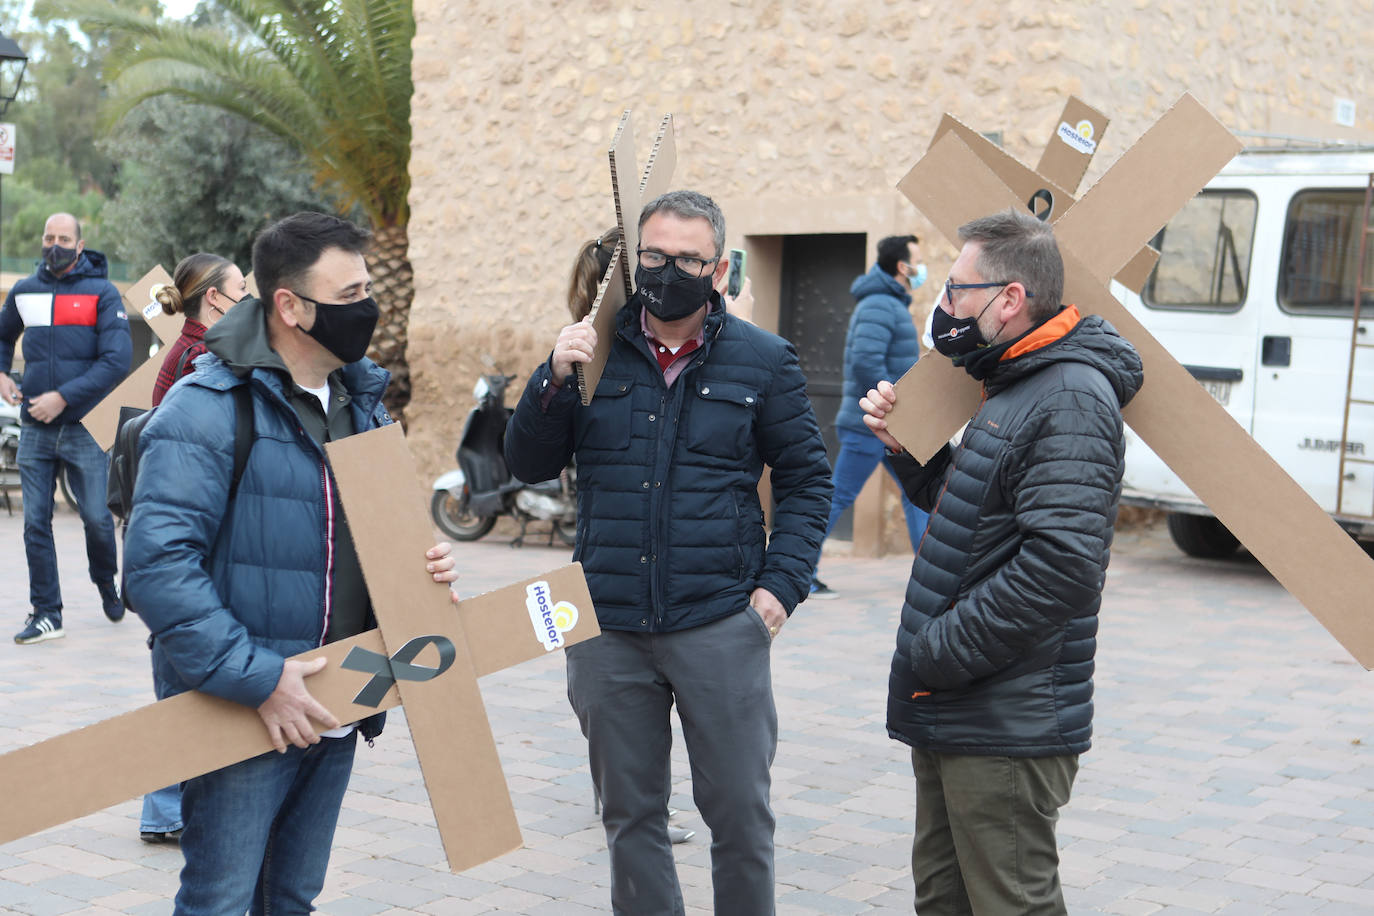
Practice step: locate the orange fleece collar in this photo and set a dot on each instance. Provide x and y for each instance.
(1046, 334)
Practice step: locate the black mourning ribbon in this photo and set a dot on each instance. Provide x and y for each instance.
(387, 671)
(1042, 196)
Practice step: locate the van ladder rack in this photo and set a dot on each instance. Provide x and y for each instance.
(1362, 260)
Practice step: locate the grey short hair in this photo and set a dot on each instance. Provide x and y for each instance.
(1018, 247)
(687, 205)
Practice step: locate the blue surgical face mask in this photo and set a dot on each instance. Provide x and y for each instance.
(918, 278)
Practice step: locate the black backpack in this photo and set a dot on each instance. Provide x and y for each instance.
(124, 455)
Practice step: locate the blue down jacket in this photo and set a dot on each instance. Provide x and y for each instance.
(999, 627)
(76, 335)
(230, 590)
(881, 342)
(669, 526)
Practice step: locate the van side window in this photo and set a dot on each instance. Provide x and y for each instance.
(1204, 254)
(1321, 244)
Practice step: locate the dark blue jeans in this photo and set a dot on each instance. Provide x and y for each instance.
(43, 449)
(859, 454)
(258, 833)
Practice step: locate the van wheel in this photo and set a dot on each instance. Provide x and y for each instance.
(1201, 536)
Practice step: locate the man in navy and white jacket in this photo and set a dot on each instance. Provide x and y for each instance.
(76, 350)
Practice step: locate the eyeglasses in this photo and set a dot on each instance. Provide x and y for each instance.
(687, 266)
(952, 288)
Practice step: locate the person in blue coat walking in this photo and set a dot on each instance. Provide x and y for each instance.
(881, 343)
(76, 350)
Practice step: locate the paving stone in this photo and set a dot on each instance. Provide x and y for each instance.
(1232, 769)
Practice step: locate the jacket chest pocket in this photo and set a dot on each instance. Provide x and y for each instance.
(720, 419)
(605, 422)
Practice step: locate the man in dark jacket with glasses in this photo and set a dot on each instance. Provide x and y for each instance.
(991, 683)
(689, 586)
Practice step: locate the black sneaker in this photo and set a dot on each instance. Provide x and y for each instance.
(157, 836)
(109, 597)
(822, 592)
(42, 625)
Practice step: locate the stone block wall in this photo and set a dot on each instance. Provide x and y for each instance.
(798, 116)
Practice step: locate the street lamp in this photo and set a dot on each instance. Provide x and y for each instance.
(13, 63)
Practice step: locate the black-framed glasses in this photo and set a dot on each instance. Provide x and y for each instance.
(952, 288)
(687, 266)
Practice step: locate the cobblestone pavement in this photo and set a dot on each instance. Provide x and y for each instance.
(1231, 769)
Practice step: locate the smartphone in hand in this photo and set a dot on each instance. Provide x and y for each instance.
(736, 281)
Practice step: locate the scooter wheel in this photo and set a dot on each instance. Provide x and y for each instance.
(455, 520)
(566, 533)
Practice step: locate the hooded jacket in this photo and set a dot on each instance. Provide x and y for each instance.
(231, 589)
(76, 335)
(880, 344)
(999, 626)
(670, 530)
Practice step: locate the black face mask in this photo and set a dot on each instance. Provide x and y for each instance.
(58, 258)
(668, 294)
(955, 337)
(344, 329)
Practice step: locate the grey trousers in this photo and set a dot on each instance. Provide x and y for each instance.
(985, 841)
(622, 687)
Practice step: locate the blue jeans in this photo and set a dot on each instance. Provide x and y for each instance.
(43, 448)
(859, 454)
(258, 833)
(161, 811)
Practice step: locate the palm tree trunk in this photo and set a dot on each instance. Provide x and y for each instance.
(393, 285)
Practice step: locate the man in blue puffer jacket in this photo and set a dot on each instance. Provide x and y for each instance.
(880, 344)
(231, 587)
(991, 681)
(689, 588)
(76, 350)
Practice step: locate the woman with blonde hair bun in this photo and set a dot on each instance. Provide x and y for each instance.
(204, 287)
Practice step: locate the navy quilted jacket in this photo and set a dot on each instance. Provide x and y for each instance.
(76, 335)
(669, 526)
(880, 344)
(999, 627)
(230, 591)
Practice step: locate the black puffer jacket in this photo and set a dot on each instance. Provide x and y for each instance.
(669, 527)
(999, 627)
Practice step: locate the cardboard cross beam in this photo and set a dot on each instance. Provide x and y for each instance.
(1307, 552)
(618, 284)
(423, 653)
(102, 421)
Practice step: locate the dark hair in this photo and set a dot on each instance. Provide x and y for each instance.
(194, 275)
(686, 205)
(893, 249)
(285, 250)
(1017, 247)
(588, 268)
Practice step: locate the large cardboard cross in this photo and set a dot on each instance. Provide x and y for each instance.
(962, 178)
(422, 653)
(618, 283)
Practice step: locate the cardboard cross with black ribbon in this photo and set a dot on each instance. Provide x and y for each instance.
(424, 652)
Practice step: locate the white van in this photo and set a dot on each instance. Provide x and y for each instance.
(1254, 293)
